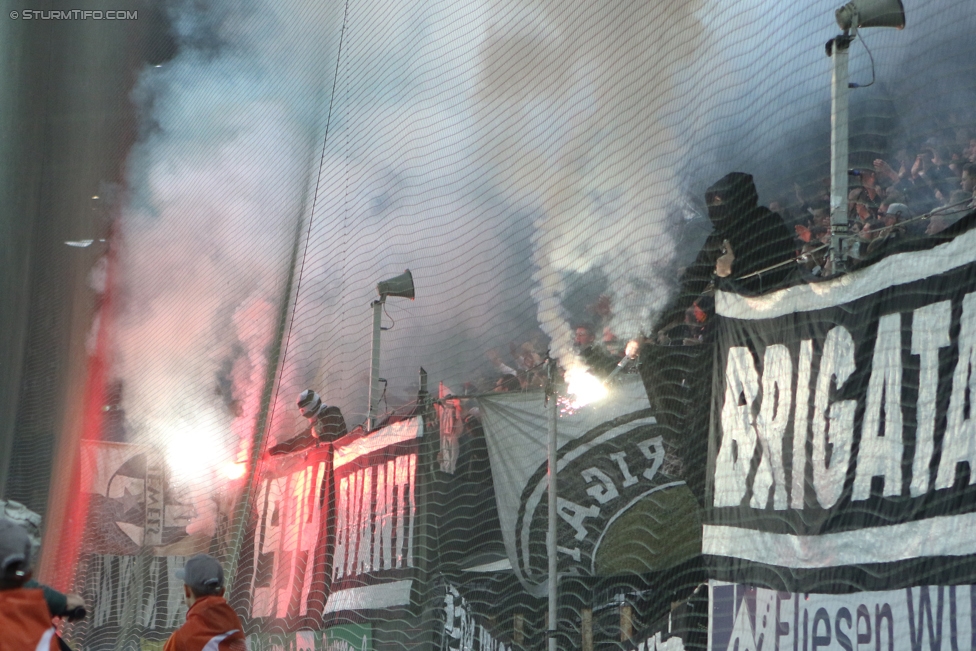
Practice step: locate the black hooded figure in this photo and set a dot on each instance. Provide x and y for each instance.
(677, 374)
(756, 237)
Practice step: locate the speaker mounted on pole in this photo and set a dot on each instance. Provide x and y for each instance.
(871, 13)
(401, 286)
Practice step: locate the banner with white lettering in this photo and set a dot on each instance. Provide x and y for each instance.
(283, 567)
(140, 592)
(623, 506)
(375, 485)
(463, 629)
(843, 440)
(933, 618)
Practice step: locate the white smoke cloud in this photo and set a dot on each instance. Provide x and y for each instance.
(218, 186)
(584, 136)
(499, 149)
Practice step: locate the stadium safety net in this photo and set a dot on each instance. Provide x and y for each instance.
(369, 263)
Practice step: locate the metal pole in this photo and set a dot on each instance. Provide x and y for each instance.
(839, 159)
(374, 368)
(551, 415)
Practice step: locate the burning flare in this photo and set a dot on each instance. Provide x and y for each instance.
(584, 388)
(232, 470)
(195, 450)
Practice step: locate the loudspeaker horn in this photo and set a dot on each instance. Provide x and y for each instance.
(871, 13)
(401, 285)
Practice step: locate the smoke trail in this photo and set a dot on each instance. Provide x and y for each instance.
(577, 100)
(489, 150)
(403, 186)
(218, 183)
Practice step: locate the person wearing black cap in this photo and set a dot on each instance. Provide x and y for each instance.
(25, 622)
(211, 624)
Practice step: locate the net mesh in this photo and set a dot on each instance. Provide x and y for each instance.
(541, 169)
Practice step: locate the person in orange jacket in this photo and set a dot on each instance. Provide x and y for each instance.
(25, 621)
(211, 624)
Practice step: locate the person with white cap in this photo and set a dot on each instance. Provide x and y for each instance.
(211, 624)
(25, 622)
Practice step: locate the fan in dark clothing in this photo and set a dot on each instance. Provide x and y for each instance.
(747, 238)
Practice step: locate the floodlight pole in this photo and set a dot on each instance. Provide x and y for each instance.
(838, 48)
(552, 415)
(374, 368)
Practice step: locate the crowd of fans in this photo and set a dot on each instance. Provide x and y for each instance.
(909, 195)
(916, 192)
(524, 366)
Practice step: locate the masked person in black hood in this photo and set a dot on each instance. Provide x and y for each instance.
(677, 376)
(747, 238)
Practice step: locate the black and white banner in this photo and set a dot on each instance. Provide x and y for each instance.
(140, 592)
(375, 484)
(622, 505)
(463, 630)
(286, 563)
(333, 530)
(134, 508)
(843, 442)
